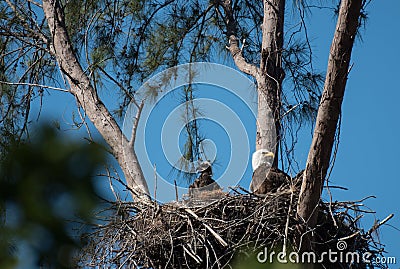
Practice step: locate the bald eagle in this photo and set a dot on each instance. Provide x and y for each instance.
(262, 157)
(261, 162)
(265, 177)
(204, 182)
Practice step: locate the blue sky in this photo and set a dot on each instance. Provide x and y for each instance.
(368, 157)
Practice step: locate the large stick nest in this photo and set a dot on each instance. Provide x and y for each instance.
(214, 235)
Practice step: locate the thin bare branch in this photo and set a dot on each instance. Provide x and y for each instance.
(34, 85)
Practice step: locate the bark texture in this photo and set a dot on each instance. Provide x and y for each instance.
(81, 88)
(269, 74)
(270, 78)
(329, 111)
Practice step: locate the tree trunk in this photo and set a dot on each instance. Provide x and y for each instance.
(269, 81)
(87, 97)
(269, 75)
(328, 112)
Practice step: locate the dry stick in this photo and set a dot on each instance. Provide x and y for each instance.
(193, 255)
(357, 219)
(215, 255)
(234, 189)
(83, 119)
(155, 182)
(33, 85)
(376, 226)
(172, 249)
(111, 185)
(349, 236)
(246, 191)
(215, 234)
(202, 239)
(127, 259)
(330, 204)
(134, 192)
(288, 220)
(194, 252)
(176, 191)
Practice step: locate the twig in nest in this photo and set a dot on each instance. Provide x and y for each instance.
(377, 225)
(215, 234)
(193, 255)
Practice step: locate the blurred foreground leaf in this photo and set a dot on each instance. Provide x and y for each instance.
(44, 184)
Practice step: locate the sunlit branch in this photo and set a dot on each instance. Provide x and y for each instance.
(33, 85)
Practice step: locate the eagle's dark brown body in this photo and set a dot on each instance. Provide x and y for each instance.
(267, 180)
(204, 182)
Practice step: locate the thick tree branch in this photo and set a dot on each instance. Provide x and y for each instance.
(240, 61)
(82, 89)
(329, 111)
(236, 52)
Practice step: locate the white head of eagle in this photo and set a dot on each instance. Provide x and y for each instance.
(262, 157)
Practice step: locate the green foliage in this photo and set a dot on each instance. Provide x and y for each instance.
(121, 43)
(23, 61)
(44, 185)
(192, 149)
(11, 110)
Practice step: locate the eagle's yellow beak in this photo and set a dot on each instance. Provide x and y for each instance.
(269, 154)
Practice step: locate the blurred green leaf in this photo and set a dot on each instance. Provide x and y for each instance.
(44, 184)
